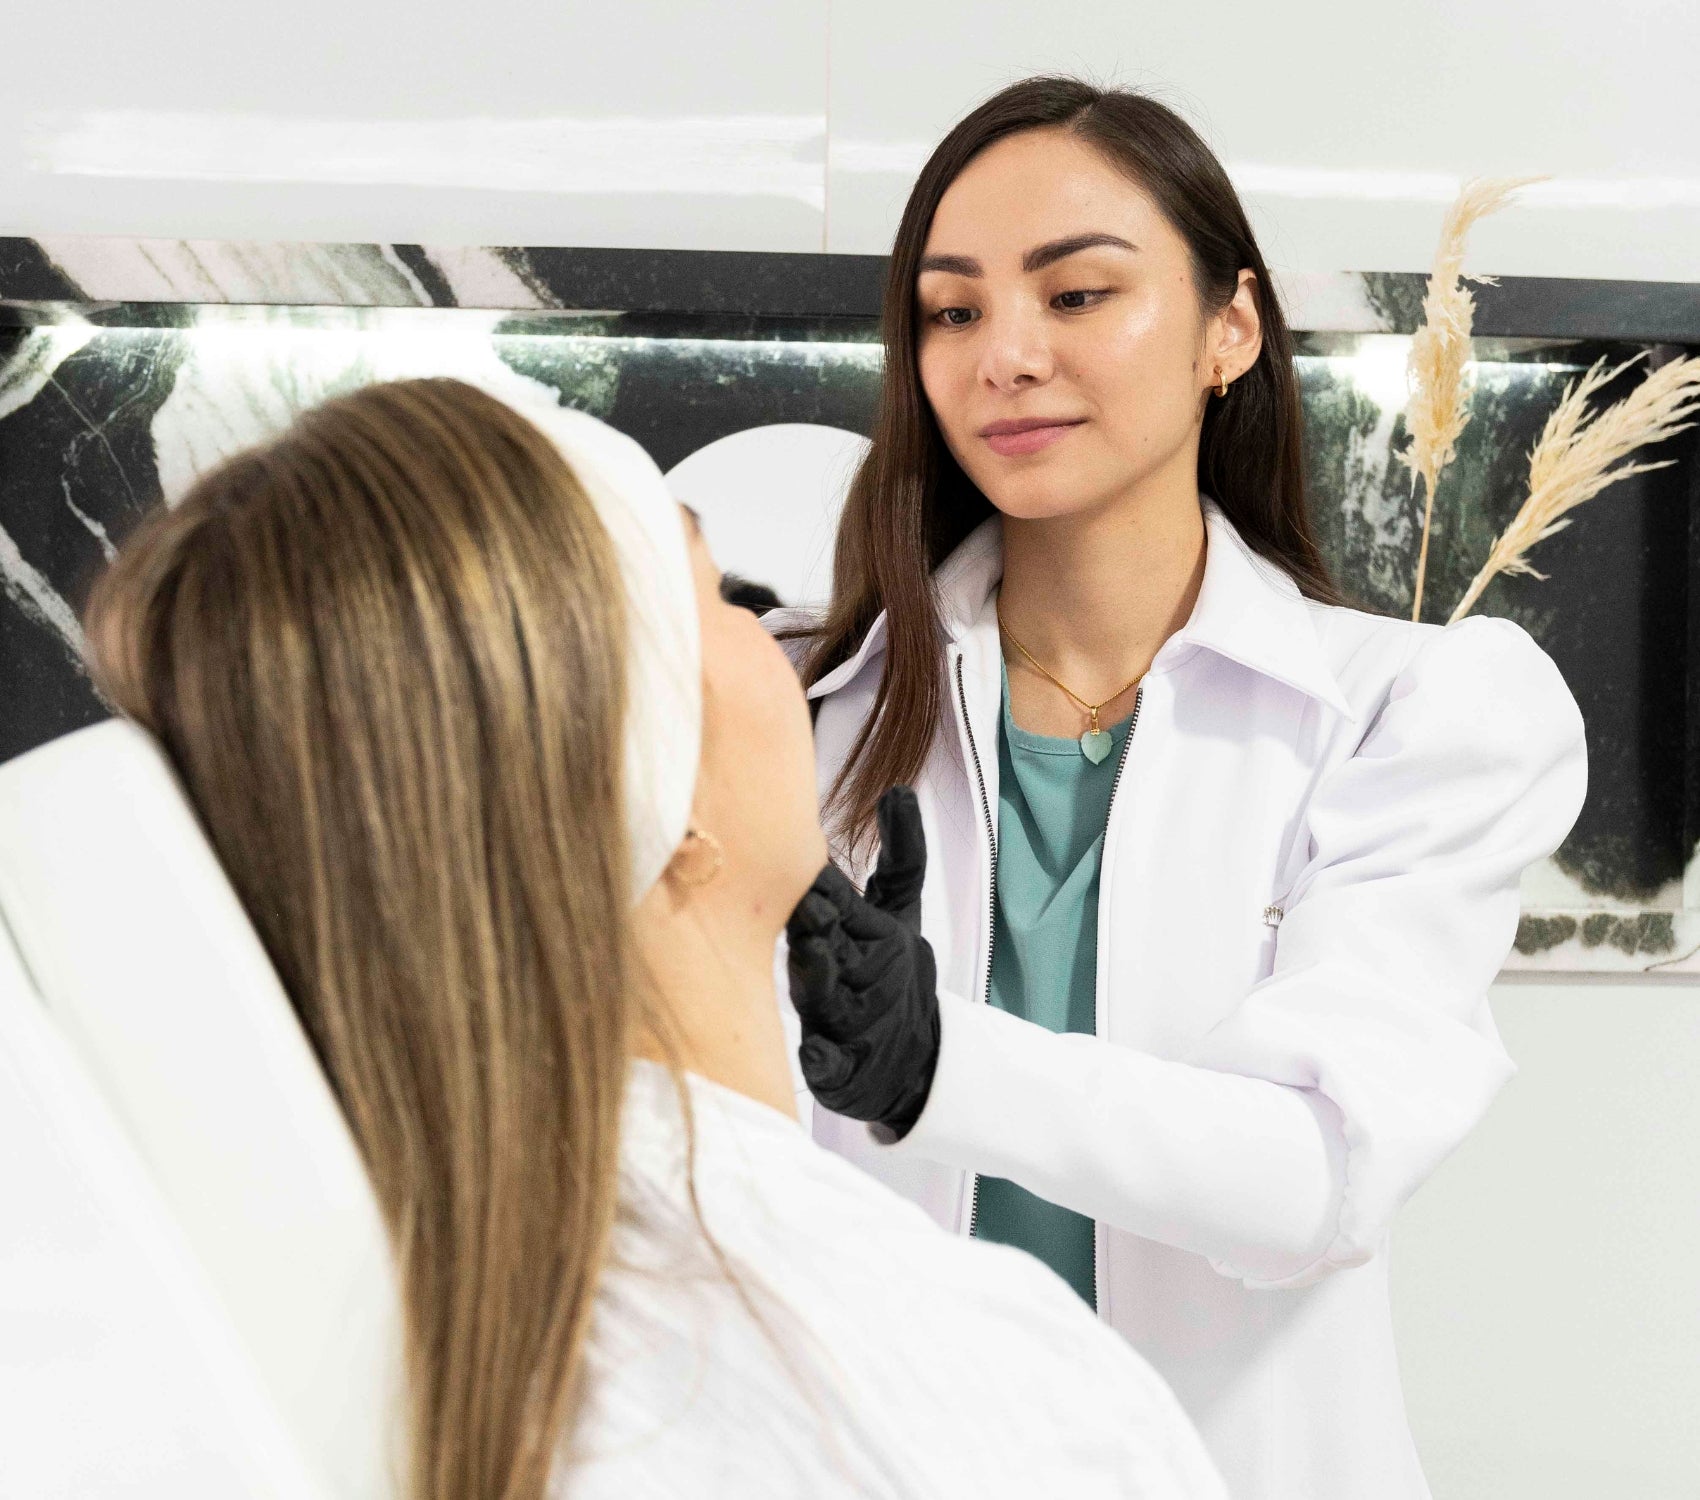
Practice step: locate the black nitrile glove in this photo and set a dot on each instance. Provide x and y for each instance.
(864, 981)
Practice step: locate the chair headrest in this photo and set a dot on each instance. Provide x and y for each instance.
(146, 962)
(120, 1373)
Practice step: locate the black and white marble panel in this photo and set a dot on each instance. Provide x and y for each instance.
(128, 366)
(95, 269)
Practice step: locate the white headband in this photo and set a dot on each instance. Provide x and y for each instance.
(663, 728)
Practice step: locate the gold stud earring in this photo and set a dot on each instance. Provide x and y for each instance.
(1221, 384)
(699, 839)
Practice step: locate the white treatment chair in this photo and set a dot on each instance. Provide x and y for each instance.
(148, 1042)
(120, 1375)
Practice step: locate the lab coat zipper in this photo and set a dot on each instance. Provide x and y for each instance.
(992, 933)
(991, 899)
(1097, 1029)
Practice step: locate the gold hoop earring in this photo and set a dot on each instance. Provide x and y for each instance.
(1221, 384)
(707, 840)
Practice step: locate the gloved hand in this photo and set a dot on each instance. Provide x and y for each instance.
(864, 981)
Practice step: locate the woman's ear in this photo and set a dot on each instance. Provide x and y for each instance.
(1237, 331)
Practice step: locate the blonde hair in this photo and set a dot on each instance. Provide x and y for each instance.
(386, 654)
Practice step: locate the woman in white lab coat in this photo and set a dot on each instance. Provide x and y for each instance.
(469, 726)
(1218, 870)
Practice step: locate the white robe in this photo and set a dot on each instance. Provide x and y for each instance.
(896, 1359)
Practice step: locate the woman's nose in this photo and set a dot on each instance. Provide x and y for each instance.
(1015, 349)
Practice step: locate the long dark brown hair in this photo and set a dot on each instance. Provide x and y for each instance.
(910, 503)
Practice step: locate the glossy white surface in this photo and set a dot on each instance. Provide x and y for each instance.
(661, 124)
(646, 123)
(1346, 128)
(120, 1376)
(181, 1028)
(769, 498)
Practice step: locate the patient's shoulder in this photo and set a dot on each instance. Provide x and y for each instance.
(933, 1344)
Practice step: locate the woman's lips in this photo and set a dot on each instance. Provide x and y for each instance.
(1014, 444)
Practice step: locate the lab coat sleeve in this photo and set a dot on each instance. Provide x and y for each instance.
(1281, 1147)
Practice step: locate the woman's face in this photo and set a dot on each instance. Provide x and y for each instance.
(1017, 320)
(756, 785)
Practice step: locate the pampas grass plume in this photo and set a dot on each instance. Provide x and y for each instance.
(1437, 412)
(1572, 460)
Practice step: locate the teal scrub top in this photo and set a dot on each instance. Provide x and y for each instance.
(1053, 804)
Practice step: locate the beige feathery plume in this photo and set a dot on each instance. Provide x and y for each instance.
(1436, 414)
(1572, 460)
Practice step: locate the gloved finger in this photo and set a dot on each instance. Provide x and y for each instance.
(835, 886)
(825, 999)
(876, 977)
(816, 915)
(811, 966)
(826, 1004)
(890, 1065)
(826, 1064)
(895, 885)
(873, 967)
(866, 924)
(833, 908)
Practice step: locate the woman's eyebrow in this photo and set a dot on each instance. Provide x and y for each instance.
(1035, 259)
(695, 519)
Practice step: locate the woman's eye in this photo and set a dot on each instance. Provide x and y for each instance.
(1071, 306)
(947, 316)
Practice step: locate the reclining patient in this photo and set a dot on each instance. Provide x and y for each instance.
(519, 808)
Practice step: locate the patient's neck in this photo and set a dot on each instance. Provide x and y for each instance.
(713, 963)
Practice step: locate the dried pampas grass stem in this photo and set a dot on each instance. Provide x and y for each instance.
(1572, 461)
(1436, 414)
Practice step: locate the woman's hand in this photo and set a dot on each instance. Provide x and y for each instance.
(864, 981)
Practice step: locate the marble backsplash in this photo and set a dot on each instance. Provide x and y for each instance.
(128, 366)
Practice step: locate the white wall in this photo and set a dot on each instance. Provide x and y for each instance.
(1546, 1282)
(796, 124)
(1547, 1279)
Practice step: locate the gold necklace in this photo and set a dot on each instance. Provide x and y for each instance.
(1095, 743)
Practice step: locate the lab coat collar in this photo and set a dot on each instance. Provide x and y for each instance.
(1248, 610)
(873, 644)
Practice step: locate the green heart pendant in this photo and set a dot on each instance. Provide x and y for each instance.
(1095, 745)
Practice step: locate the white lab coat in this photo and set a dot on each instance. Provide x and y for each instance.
(1309, 881)
(891, 1361)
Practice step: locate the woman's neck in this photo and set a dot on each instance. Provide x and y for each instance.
(1094, 596)
(714, 970)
